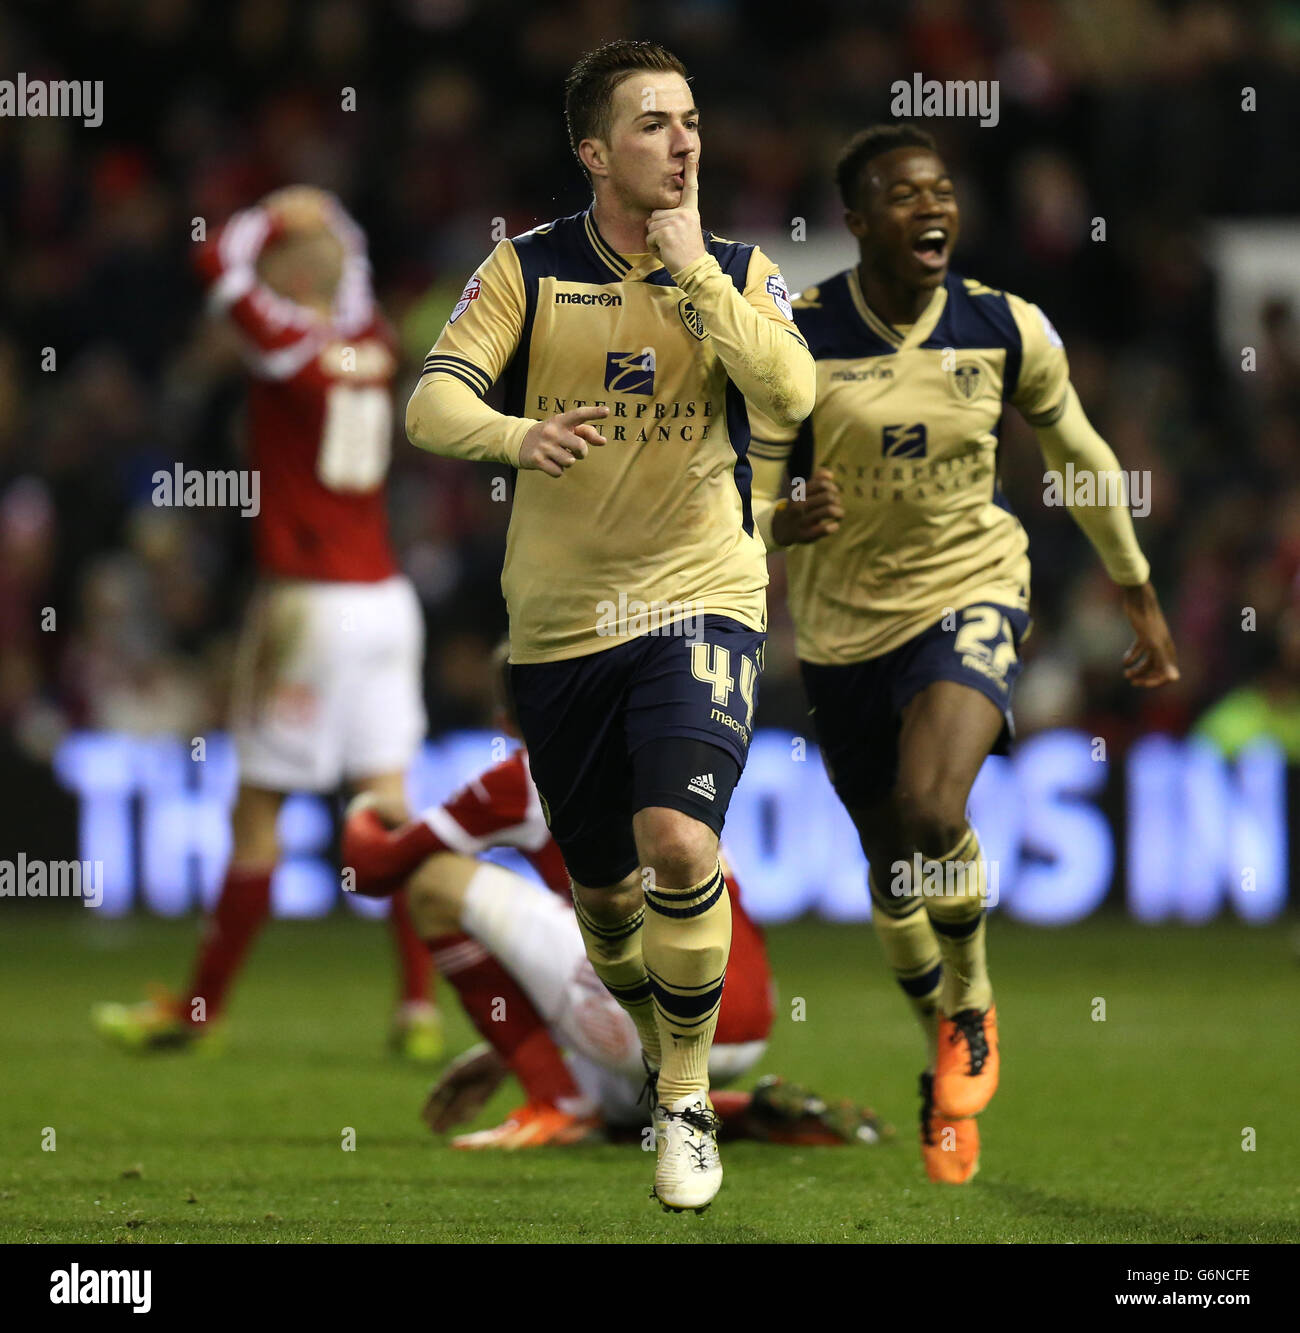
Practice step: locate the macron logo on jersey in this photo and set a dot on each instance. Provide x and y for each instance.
(605, 299)
(471, 293)
(703, 786)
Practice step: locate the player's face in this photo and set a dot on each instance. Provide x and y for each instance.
(653, 127)
(908, 222)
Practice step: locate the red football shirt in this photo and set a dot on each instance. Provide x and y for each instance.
(501, 808)
(320, 408)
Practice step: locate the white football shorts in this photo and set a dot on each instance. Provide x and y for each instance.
(328, 683)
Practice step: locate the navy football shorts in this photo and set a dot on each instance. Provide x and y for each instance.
(659, 720)
(857, 709)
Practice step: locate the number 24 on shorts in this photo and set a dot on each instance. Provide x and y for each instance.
(985, 635)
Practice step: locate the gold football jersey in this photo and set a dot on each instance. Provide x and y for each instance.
(907, 420)
(661, 516)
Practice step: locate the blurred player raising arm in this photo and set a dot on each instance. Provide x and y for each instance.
(328, 675)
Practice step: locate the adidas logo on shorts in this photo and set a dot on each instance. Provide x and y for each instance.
(703, 786)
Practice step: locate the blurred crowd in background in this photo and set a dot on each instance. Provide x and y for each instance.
(1122, 109)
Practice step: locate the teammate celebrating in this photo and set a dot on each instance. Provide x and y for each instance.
(634, 576)
(909, 580)
(328, 678)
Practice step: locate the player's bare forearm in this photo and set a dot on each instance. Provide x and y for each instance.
(1151, 660)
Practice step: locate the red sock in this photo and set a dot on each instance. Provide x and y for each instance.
(505, 1016)
(415, 967)
(384, 858)
(244, 905)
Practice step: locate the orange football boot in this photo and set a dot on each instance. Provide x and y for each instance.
(966, 1072)
(536, 1125)
(950, 1149)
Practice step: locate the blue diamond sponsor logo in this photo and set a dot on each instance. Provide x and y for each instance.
(630, 372)
(905, 441)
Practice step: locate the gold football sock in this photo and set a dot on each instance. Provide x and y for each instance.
(614, 950)
(687, 940)
(953, 890)
(912, 951)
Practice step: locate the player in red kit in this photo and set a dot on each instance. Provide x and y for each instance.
(515, 955)
(327, 684)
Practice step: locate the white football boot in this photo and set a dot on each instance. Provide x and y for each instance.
(689, 1170)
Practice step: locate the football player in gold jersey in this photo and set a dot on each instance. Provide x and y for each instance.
(629, 341)
(909, 579)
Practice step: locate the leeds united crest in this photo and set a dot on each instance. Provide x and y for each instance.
(967, 378)
(691, 317)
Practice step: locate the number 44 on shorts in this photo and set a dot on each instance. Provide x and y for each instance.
(711, 663)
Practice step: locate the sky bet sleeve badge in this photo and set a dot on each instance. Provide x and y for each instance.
(776, 289)
(472, 289)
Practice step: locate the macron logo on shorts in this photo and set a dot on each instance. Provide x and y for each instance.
(703, 786)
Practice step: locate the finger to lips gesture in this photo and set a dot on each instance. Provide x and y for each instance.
(674, 234)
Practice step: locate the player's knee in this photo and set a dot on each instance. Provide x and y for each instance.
(679, 849)
(879, 834)
(430, 904)
(430, 918)
(933, 817)
(611, 905)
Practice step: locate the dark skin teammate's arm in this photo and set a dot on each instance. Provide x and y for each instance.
(1151, 659)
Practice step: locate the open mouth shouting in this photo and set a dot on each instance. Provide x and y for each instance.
(931, 248)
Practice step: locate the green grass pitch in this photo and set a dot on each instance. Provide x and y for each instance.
(1128, 1129)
